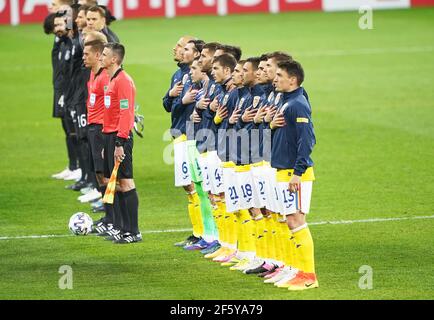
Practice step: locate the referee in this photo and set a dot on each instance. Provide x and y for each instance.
(119, 103)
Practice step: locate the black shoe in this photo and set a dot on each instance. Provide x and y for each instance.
(98, 209)
(263, 274)
(187, 241)
(257, 270)
(99, 227)
(129, 238)
(79, 185)
(114, 234)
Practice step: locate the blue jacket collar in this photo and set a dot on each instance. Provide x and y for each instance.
(292, 94)
(183, 66)
(258, 90)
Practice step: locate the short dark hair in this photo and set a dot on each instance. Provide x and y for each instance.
(84, 8)
(91, 2)
(254, 61)
(98, 9)
(96, 45)
(226, 61)
(233, 50)
(211, 46)
(48, 24)
(264, 57)
(241, 62)
(293, 68)
(280, 56)
(198, 45)
(109, 17)
(117, 49)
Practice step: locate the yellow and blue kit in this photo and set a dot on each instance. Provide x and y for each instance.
(177, 77)
(207, 117)
(180, 112)
(292, 144)
(229, 100)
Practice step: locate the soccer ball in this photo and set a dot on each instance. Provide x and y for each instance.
(80, 223)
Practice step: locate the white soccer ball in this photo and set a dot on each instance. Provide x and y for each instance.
(80, 223)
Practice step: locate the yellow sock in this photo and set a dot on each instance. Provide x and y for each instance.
(233, 226)
(303, 248)
(285, 244)
(222, 224)
(217, 219)
(259, 238)
(192, 215)
(276, 236)
(269, 250)
(197, 213)
(240, 231)
(248, 229)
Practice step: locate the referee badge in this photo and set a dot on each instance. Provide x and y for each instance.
(124, 104)
(256, 101)
(225, 99)
(92, 99)
(107, 101)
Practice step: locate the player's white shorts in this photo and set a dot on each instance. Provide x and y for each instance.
(182, 171)
(272, 200)
(203, 163)
(215, 173)
(290, 203)
(258, 172)
(244, 187)
(230, 186)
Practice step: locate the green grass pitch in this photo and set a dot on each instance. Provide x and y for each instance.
(373, 110)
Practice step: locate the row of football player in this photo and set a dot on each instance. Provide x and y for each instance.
(73, 23)
(247, 212)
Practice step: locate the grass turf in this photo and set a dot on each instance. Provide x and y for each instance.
(372, 99)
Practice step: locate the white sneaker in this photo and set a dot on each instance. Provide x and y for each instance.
(86, 190)
(91, 196)
(62, 174)
(74, 175)
(286, 276)
(255, 263)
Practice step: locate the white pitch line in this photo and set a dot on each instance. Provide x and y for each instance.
(372, 220)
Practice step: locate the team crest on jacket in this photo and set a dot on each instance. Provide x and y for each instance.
(225, 99)
(240, 104)
(211, 90)
(184, 78)
(256, 101)
(270, 97)
(276, 101)
(67, 55)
